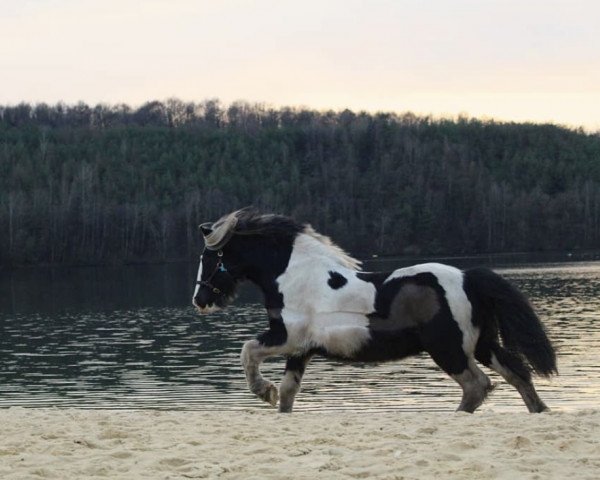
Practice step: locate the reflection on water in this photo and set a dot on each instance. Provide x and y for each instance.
(126, 338)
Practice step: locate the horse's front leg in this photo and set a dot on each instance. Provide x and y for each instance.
(290, 385)
(254, 352)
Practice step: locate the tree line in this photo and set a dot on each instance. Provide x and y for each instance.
(100, 184)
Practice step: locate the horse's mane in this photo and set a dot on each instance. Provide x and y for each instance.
(341, 255)
(248, 221)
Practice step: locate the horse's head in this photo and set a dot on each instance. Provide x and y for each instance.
(220, 269)
(219, 273)
(243, 245)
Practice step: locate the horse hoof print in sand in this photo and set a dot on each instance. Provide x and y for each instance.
(319, 302)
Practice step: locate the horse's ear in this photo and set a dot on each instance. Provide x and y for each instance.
(206, 229)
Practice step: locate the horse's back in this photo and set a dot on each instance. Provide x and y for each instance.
(440, 270)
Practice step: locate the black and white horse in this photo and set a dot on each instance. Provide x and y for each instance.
(319, 302)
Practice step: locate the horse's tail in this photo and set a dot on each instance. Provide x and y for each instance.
(500, 305)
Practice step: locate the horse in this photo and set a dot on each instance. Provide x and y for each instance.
(318, 301)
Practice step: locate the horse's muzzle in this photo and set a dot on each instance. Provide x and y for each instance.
(206, 308)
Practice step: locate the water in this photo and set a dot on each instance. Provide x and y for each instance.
(127, 338)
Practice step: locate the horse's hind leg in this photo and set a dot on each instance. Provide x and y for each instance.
(443, 340)
(290, 385)
(474, 383)
(514, 371)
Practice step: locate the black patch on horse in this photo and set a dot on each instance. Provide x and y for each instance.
(376, 278)
(412, 314)
(386, 345)
(275, 335)
(297, 365)
(388, 291)
(336, 280)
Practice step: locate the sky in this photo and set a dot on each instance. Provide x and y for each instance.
(526, 60)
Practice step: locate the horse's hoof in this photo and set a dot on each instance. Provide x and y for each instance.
(271, 395)
(267, 392)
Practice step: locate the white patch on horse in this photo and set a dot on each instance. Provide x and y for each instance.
(451, 280)
(304, 282)
(344, 340)
(499, 368)
(316, 316)
(198, 279)
(209, 309)
(339, 333)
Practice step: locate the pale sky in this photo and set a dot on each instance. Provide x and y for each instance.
(526, 60)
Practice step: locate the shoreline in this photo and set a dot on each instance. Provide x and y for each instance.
(554, 256)
(128, 444)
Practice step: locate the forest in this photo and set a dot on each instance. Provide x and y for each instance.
(112, 184)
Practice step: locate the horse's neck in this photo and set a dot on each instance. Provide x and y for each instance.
(303, 267)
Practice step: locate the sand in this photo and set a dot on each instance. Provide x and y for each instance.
(80, 444)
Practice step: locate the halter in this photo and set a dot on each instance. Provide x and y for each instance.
(218, 268)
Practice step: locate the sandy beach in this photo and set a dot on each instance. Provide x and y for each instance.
(79, 444)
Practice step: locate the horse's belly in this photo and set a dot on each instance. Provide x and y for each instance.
(341, 334)
(388, 345)
(349, 336)
(375, 345)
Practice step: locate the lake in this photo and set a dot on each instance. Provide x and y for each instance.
(127, 337)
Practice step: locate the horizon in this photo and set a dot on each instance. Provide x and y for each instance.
(225, 105)
(503, 60)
